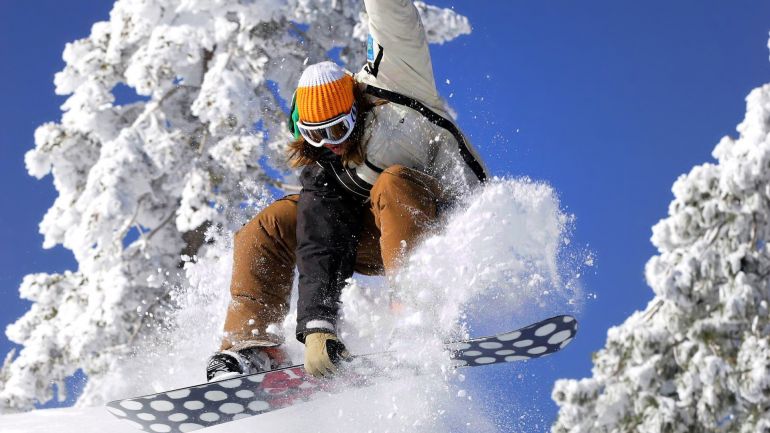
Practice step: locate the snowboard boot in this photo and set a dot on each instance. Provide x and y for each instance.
(228, 364)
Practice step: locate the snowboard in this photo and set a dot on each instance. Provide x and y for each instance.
(197, 407)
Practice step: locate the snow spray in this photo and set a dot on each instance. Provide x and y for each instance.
(495, 262)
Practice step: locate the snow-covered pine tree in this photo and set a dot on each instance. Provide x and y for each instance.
(697, 359)
(139, 182)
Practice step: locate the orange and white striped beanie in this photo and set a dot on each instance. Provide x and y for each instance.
(324, 92)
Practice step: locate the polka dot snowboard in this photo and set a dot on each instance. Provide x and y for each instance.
(534, 341)
(213, 403)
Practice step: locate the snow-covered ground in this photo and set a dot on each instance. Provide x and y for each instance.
(69, 420)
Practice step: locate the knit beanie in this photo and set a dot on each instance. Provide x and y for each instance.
(325, 91)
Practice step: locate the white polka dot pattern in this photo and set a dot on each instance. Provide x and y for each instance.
(231, 408)
(244, 393)
(522, 343)
(560, 336)
(209, 404)
(213, 403)
(176, 395)
(162, 406)
(516, 358)
(546, 329)
(491, 345)
(215, 396)
(131, 405)
(193, 405)
(234, 383)
(533, 341)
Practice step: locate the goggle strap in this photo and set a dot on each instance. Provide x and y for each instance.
(294, 117)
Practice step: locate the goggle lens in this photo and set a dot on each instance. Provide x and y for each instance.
(315, 135)
(337, 131)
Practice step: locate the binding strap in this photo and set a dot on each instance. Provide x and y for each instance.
(437, 120)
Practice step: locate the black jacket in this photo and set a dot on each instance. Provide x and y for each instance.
(329, 221)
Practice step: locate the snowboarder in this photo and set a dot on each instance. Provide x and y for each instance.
(380, 160)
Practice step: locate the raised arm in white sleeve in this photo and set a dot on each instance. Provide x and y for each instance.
(398, 58)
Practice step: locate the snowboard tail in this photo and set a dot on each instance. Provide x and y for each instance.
(209, 404)
(533, 341)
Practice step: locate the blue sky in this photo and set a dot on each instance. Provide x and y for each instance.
(607, 101)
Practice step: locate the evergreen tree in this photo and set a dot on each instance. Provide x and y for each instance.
(140, 182)
(698, 357)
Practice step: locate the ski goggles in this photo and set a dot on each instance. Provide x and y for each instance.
(334, 131)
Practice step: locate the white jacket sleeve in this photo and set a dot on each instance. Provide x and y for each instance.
(398, 58)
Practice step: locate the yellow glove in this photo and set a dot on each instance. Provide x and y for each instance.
(322, 351)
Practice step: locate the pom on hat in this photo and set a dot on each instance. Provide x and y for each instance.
(325, 91)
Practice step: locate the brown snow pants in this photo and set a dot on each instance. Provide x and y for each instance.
(403, 207)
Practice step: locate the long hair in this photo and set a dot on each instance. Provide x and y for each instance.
(301, 153)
